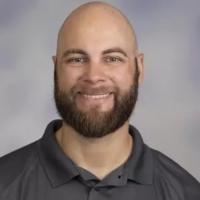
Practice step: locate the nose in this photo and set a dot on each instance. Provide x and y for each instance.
(94, 73)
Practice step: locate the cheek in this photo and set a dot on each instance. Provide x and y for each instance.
(124, 79)
(66, 79)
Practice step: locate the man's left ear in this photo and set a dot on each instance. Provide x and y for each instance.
(140, 63)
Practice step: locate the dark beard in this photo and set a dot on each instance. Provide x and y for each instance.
(95, 124)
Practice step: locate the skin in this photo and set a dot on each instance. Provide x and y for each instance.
(101, 32)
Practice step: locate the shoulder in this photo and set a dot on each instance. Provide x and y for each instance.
(13, 164)
(171, 177)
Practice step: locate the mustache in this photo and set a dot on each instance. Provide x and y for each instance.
(93, 90)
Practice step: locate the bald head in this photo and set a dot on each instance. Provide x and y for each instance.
(97, 70)
(93, 21)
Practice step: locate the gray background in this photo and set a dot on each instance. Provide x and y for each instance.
(168, 110)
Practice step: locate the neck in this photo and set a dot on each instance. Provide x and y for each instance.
(97, 155)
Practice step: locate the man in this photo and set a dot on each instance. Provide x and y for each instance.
(93, 152)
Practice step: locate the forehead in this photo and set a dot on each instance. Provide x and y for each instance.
(95, 31)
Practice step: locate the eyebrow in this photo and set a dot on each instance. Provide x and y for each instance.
(107, 51)
(115, 50)
(74, 51)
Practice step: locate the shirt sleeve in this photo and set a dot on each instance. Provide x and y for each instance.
(172, 181)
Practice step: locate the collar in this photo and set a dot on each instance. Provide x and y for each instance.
(60, 169)
(139, 166)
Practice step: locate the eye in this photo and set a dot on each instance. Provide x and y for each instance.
(76, 60)
(113, 59)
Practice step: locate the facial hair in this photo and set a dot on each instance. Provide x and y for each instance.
(93, 123)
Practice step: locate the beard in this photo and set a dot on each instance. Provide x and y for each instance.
(93, 123)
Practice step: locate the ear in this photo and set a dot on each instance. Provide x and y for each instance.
(54, 58)
(140, 63)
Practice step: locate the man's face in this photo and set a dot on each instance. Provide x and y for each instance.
(96, 77)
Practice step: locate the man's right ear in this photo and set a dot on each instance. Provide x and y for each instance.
(54, 58)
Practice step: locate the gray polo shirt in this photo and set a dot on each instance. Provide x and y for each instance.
(41, 171)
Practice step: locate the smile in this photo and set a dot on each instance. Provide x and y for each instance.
(99, 96)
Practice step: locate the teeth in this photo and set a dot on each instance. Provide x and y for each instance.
(101, 96)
